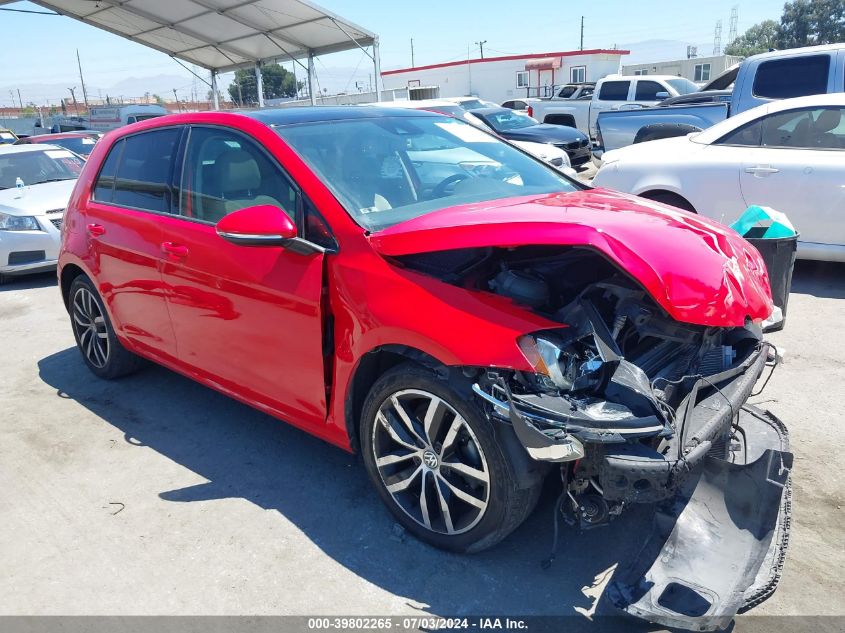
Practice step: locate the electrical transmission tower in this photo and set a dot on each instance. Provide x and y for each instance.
(717, 38)
(734, 20)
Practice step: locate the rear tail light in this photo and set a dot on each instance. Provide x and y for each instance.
(530, 111)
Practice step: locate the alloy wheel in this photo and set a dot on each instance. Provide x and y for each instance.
(90, 327)
(431, 462)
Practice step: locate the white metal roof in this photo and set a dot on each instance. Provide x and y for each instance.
(221, 34)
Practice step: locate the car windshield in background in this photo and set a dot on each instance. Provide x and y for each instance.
(7, 137)
(683, 86)
(473, 104)
(510, 120)
(79, 144)
(387, 170)
(35, 168)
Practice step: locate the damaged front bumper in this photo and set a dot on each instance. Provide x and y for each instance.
(720, 474)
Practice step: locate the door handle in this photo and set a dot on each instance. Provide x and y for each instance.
(96, 230)
(175, 250)
(761, 170)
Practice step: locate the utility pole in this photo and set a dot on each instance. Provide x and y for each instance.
(75, 105)
(481, 47)
(582, 33)
(175, 96)
(412, 53)
(82, 81)
(19, 98)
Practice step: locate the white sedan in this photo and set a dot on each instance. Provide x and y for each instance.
(788, 155)
(35, 185)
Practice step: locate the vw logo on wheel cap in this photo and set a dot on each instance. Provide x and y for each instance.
(430, 459)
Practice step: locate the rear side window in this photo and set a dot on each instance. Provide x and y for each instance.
(144, 172)
(104, 187)
(647, 90)
(614, 91)
(796, 77)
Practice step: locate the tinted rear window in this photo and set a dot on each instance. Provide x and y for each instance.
(144, 173)
(614, 91)
(796, 77)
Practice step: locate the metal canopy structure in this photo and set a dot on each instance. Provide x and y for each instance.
(224, 35)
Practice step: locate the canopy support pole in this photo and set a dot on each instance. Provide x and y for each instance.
(259, 84)
(377, 69)
(214, 96)
(311, 81)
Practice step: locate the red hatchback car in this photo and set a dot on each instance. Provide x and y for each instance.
(403, 284)
(80, 143)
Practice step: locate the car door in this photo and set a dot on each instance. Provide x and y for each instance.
(799, 168)
(246, 318)
(612, 94)
(132, 192)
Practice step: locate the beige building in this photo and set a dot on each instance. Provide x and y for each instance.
(697, 69)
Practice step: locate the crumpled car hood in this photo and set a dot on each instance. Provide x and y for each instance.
(699, 271)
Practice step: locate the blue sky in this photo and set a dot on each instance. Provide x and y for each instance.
(40, 49)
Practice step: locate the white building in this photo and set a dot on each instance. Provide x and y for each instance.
(501, 78)
(697, 69)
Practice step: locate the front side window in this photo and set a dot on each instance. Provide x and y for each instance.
(522, 79)
(35, 168)
(796, 77)
(702, 72)
(567, 91)
(104, 186)
(748, 135)
(682, 86)
(224, 172)
(647, 90)
(143, 176)
(578, 74)
(614, 91)
(387, 170)
(820, 128)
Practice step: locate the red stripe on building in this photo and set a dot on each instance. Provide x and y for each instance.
(594, 51)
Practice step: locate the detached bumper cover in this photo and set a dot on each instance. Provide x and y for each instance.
(718, 548)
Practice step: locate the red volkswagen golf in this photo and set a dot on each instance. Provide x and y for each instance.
(403, 284)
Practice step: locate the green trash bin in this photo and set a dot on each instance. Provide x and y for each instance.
(771, 233)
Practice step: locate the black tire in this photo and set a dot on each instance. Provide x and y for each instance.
(507, 506)
(116, 361)
(657, 131)
(672, 199)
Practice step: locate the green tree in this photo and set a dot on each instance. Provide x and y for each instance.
(277, 81)
(811, 22)
(757, 39)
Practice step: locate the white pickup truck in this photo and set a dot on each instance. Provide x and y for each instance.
(614, 92)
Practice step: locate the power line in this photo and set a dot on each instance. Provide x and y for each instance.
(28, 11)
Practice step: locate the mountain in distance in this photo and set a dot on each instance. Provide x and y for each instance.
(661, 51)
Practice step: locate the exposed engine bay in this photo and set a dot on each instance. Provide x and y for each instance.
(633, 404)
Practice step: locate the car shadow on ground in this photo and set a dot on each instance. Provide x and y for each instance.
(325, 493)
(26, 282)
(820, 279)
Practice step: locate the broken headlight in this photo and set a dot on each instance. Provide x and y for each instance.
(571, 366)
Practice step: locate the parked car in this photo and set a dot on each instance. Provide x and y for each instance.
(471, 103)
(760, 79)
(467, 334)
(105, 118)
(80, 143)
(787, 155)
(613, 92)
(7, 137)
(515, 126)
(35, 185)
(576, 90)
(544, 151)
(521, 105)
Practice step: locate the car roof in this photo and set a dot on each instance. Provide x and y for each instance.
(59, 135)
(28, 147)
(491, 110)
(315, 114)
(791, 52)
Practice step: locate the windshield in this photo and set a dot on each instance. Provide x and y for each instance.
(34, 168)
(81, 145)
(387, 170)
(510, 120)
(683, 86)
(7, 137)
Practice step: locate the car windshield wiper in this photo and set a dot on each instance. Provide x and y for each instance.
(41, 182)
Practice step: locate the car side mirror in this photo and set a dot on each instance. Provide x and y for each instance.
(261, 225)
(660, 96)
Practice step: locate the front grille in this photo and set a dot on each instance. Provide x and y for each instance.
(54, 211)
(26, 257)
(577, 144)
(57, 222)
